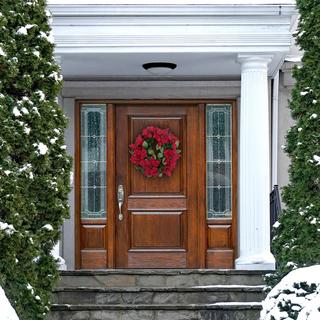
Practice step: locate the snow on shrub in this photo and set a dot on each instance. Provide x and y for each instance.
(7, 312)
(34, 164)
(295, 297)
(297, 236)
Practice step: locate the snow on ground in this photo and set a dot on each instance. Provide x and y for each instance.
(7, 312)
(289, 292)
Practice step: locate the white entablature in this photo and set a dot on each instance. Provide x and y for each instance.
(173, 29)
(202, 27)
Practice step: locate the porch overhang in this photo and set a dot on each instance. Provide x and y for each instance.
(102, 48)
(113, 41)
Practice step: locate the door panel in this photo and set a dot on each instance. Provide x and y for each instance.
(153, 222)
(167, 185)
(159, 228)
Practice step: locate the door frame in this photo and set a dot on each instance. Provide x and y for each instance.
(203, 225)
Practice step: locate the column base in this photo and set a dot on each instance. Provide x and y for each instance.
(256, 262)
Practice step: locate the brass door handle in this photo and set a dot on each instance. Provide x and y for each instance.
(120, 201)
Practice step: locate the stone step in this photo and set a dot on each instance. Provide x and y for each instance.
(215, 311)
(159, 278)
(158, 295)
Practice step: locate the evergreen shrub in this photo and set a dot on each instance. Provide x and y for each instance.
(297, 234)
(34, 165)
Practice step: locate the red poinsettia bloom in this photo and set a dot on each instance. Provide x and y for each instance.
(155, 152)
(138, 155)
(139, 140)
(150, 167)
(147, 134)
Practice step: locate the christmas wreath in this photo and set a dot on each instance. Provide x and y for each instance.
(155, 152)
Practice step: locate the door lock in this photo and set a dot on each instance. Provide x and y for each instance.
(120, 201)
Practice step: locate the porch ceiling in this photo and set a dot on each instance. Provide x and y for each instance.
(129, 65)
(113, 41)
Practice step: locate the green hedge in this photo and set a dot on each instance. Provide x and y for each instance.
(34, 165)
(297, 236)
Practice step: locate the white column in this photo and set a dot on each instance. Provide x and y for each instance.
(254, 178)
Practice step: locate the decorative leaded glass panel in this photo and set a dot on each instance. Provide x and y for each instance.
(219, 158)
(93, 161)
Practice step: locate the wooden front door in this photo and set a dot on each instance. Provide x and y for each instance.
(187, 220)
(160, 224)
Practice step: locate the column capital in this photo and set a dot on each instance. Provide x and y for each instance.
(262, 58)
(254, 61)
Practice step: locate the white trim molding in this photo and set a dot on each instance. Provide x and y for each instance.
(151, 89)
(83, 29)
(169, 9)
(173, 2)
(275, 130)
(254, 218)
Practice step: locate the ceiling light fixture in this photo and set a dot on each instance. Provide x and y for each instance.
(159, 68)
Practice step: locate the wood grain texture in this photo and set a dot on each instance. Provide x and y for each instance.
(219, 236)
(111, 182)
(93, 237)
(122, 178)
(93, 259)
(204, 243)
(175, 194)
(160, 229)
(157, 203)
(90, 234)
(222, 232)
(220, 259)
(191, 172)
(140, 183)
(202, 201)
(157, 260)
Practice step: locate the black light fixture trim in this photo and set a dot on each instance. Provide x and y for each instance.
(150, 65)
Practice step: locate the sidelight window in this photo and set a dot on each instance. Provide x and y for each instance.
(219, 160)
(93, 161)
